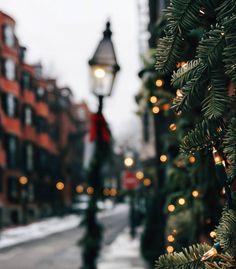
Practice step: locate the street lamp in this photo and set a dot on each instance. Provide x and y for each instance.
(103, 70)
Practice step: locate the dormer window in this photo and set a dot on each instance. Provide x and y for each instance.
(9, 38)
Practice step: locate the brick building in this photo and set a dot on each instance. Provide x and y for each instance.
(37, 122)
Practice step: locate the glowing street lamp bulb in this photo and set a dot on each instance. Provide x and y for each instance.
(60, 185)
(128, 161)
(170, 238)
(99, 73)
(79, 189)
(212, 234)
(23, 180)
(170, 249)
(90, 190)
(173, 127)
(181, 201)
(147, 182)
(139, 175)
(171, 208)
(155, 109)
(159, 83)
(195, 194)
(163, 158)
(153, 99)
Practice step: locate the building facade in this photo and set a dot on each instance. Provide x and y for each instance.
(37, 121)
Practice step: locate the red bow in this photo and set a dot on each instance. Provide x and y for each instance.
(99, 122)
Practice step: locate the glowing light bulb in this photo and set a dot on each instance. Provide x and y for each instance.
(139, 175)
(79, 188)
(99, 73)
(60, 185)
(163, 158)
(212, 234)
(153, 99)
(192, 159)
(210, 253)
(195, 194)
(106, 192)
(170, 238)
(166, 107)
(181, 201)
(90, 190)
(159, 83)
(217, 158)
(147, 182)
(23, 180)
(170, 249)
(171, 208)
(173, 127)
(155, 109)
(128, 161)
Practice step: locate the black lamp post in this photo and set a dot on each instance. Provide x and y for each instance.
(103, 68)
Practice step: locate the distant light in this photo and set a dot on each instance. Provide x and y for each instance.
(179, 93)
(192, 159)
(163, 158)
(212, 234)
(147, 182)
(129, 161)
(60, 185)
(113, 192)
(23, 180)
(170, 238)
(99, 73)
(195, 194)
(153, 99)
(106, 192)
(79, 188)
(202, 12)
(159, 83)
(166, 107)
(181, 201)
(170, 249)
(90, 190)
(139, 175)
(171, 208)
(155, 109)
(173, 127)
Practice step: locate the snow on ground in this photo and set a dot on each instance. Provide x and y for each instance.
(44, 228)
(124, 253)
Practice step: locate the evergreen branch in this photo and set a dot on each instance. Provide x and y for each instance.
(230, 55)
(226, 232)
(204, 134)
(230, 146)
(183, 15)
(211, 47)
(192, 92)
(226, 9)
(185, 73)
(186, 259)
(168, 53)
(217, 100)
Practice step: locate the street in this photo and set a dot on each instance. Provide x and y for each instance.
(59, 251)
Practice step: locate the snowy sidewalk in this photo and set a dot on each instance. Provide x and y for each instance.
(123, 253)
(44, 228)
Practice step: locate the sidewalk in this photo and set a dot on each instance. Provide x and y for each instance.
(41, 229)
(122, 253)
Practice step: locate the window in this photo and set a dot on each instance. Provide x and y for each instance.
(26, 81)
(10, 69)
(12, 156)
(13, 189)
(42, 125)
(29, 157)
(28, 116)
(9, 38)
(9, 103)
(40, 94)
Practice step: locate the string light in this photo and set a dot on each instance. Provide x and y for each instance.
(147, 182)
(90, 190)
(60, 185)
(217, 158)
(179, 93)
(192, 159)
(79, 188)
(170, 249)
(139, 175)
(106, 192)
(171, 208)
(211, 253)
(128, 161)
(173, 127)
(23, 180)
(163, 158)
(155, 109)
(153, 99)
(170, 238)
(195, 193)
(212, 234)
(159, 83)
(113, 192)
(181, 201)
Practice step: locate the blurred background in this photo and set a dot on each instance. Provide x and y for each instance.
(90, 174)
